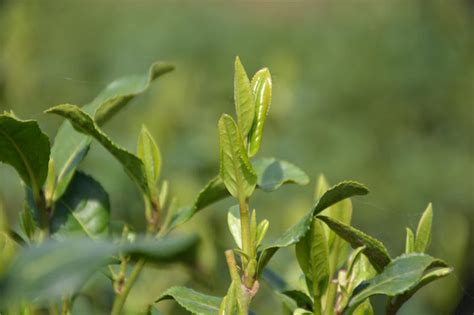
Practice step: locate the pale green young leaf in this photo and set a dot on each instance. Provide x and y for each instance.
(319, 261)
(401, 275)
(233, 221)
(83, 123)
(272, 173)
(262, 228)
(365, 308)
(150, 155)
(423, 231)
(70, 147)
(193, 301)
(374, 249)
(409, 241)
(83, 210)
(25, 147)
(235, 170)
(262, 91)
(243, 98)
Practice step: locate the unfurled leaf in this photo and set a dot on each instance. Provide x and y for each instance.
(272, 173)
(262, 91)
(150, 155)
(233, 221)
(313, 258)
(194, 302)
(409, 242)
(374, 249)
(292, 236)
(83, 210)
(301, 299)
(243, 98)
(423, 231)
(401, 275)
(55, 269)
(229, 304)
(235, 170)
(83, 123)
(71, 147)
(25, 147)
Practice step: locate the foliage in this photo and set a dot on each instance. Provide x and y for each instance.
(67, 232)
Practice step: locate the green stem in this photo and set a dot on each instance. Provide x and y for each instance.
(120, 298)
(66, 309)
(245, 226)
(331, 298)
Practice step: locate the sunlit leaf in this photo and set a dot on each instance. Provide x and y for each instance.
(423, 231)
(235, 170)
(262, 91)
(150, 155)
(83, 123)
(243, 98)
(192, 301)
(70, 147)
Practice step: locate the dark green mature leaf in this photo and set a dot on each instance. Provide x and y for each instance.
(374, 249)
(149, 153)
(423, 231)
(55, 269)
(83, 123)
(70, 147)
(192, 301)
(302, 299)
(83, 210)
(244, 99)
(272, 173)
(293, 235)
(401, 275)
(235, 170)
(25, 147)
(262, 91)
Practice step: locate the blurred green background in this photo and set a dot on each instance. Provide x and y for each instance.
(377, 91)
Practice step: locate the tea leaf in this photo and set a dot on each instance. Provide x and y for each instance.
(272, 173)
(261, 231)
(83, 123)
(192, 301)
(302, 299)
(54, 269)
(233, 221)
(244, 99)
(70, 147)
(150, 155)
(365, 308)
(409, 242)
(374, 249)
(292, 236)
(25, 147)
(262, 91)
(83, 210)
(402, 274)
(423, 231)
(235, 169)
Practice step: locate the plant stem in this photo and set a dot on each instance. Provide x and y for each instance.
(331, 297)
(120, 298)
(245, 227)
(66, 306)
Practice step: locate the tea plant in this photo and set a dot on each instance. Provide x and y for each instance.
(66, 233)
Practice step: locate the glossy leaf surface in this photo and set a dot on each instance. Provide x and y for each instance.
(243, 98)
(235, 170)
(262, 91)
